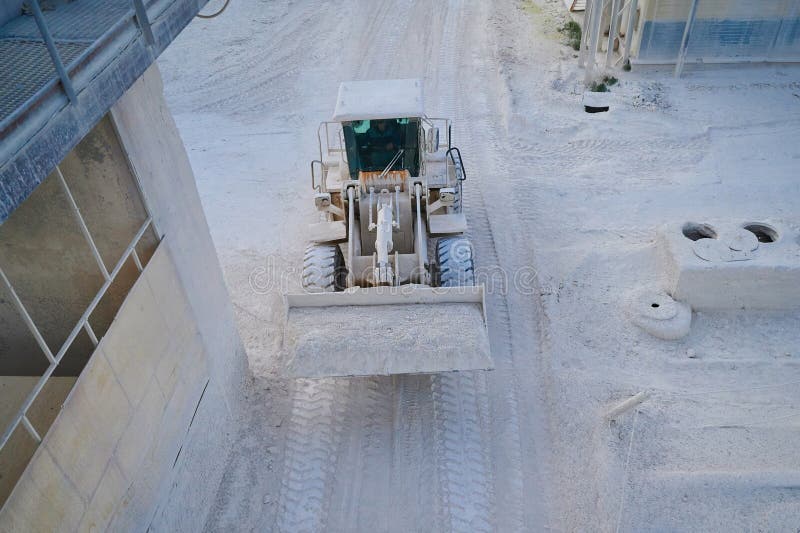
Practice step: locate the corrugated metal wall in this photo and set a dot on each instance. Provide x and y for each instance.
(723, 30)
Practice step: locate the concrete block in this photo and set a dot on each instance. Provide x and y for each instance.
(733, 264)
(43, 500)
(84, 435)
(136, 339)
(140, 434)
(110, 491)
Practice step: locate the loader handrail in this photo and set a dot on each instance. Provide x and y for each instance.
(328, 150)
(322, 187)
(460, 163)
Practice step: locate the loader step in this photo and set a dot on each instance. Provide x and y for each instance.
(333, 231)
(447, 224)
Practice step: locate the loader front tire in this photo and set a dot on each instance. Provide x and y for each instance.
(323, 268)
(454, 262)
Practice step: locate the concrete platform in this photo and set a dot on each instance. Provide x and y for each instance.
(733, 264)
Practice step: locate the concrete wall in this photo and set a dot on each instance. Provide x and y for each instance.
(123, 423)
(150, 137)
(50, 264)
(171, 361)
(20, 448)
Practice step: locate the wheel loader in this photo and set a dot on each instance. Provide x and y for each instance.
(388, 277)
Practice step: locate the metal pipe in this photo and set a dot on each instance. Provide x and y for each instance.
(144, 21)
(136, 261)
(587, 18)
(612, 30)
(51, 48)
(31, 429)
(371, 225)
(421, 259)
(685, 41)
(632, 7)
(90, 331)
(74, 333)
(594, 38)
(27, 319)
(391, 164)
(82, 224)
(350, 243)
(397, 205)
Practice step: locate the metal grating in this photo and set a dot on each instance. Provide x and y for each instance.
(37, 134)
(26, 67)
(85, 20)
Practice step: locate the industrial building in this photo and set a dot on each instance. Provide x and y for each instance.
(679, 32)
(117, 332)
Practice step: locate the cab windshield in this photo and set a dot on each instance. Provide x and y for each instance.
(372, 144)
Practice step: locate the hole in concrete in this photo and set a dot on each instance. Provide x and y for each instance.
(695, 231)
(654, 305)
(762, 232)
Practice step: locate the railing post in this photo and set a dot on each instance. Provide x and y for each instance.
(632, 7)
(598, 7)
(685, 41)
(144, 21)
(613, 30)
(51, 47)
(587, 23)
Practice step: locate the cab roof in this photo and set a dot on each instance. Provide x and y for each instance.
(377, 99)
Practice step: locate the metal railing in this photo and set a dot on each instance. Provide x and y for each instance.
(83, 322)
(137, 12)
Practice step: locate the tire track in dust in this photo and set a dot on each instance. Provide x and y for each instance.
(244, 86)
(413, 463)
(553, 159)
(460, 400)
(370, 485)
(362, 490)
(503, 385)
(311, 441)
(376, 447)
(461, 420)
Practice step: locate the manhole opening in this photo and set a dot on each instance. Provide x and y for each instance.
(654, 305)
(695, 231)
(762, 232)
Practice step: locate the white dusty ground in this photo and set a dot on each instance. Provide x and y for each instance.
(577, 198)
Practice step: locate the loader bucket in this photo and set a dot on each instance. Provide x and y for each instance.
(386, 330)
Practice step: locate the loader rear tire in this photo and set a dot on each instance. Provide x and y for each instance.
(323, 268)
(454, 262)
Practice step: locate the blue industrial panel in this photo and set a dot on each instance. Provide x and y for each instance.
(722, 39)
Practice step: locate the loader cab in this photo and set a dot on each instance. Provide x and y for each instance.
(372, 144)
(381, 123)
